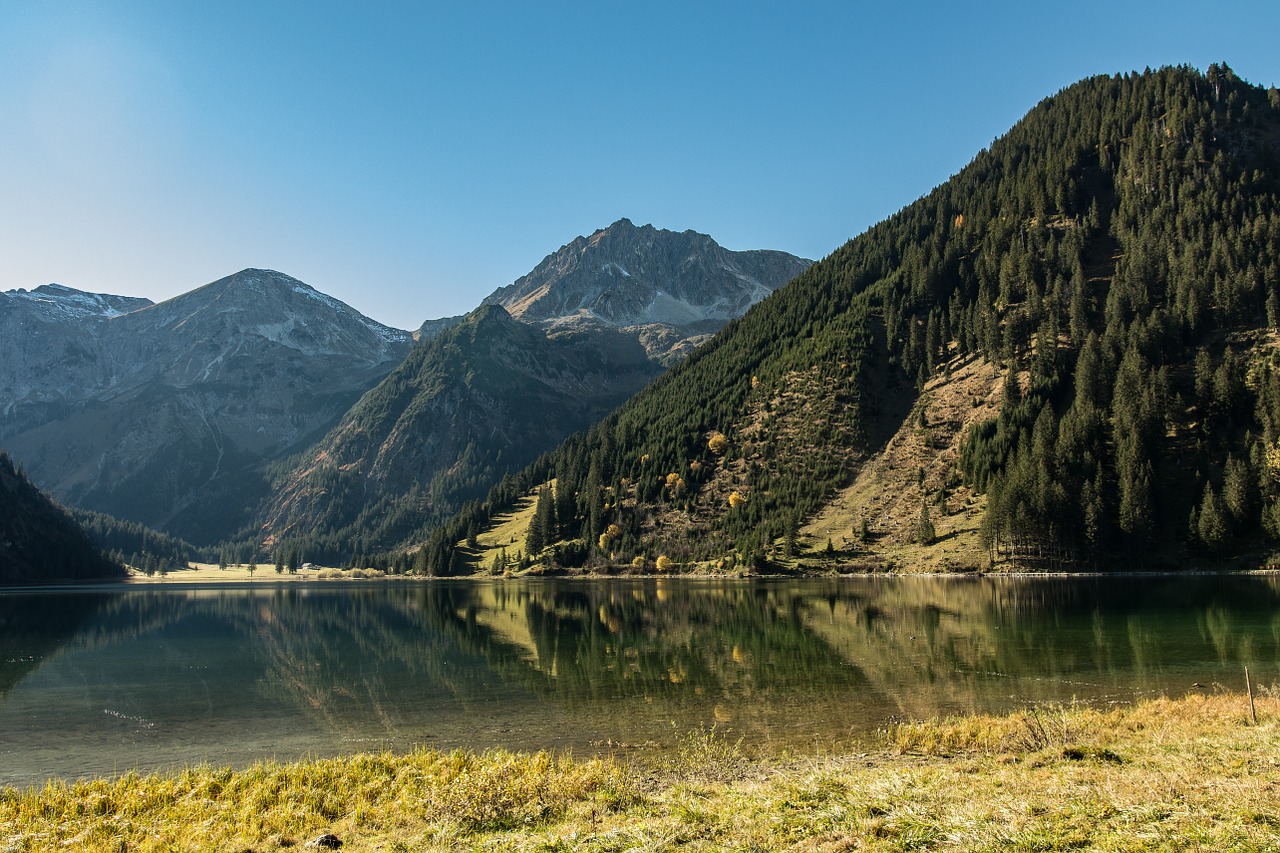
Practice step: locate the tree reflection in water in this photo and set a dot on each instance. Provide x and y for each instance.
(230, 674)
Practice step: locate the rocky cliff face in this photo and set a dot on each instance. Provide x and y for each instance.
(664, 287)
(165, 413)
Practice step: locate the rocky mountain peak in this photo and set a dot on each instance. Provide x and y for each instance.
(280, 308)
(627, 275)
(59, 302)
(192, 393)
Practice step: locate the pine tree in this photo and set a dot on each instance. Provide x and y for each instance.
(1238, 492)
(1211, 524)
(542, 525)
(925, 533)
(789, 545)
(546, 514)
(565, 508)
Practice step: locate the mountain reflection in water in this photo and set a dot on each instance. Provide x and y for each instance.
(97, 682)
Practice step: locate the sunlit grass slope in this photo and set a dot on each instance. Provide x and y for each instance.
(1193, 773)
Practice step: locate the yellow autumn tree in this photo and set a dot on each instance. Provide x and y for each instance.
(664, 563)
(1273, 459)
(717, 443)
(736, 500)
(611, 534)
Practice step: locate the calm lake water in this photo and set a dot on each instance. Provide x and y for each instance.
(101, 681)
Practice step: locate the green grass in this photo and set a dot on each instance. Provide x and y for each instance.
(1188, 774)
(506, 535)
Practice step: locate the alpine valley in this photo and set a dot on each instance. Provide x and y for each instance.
(546, 357)
(257, 410)
(1065, 357)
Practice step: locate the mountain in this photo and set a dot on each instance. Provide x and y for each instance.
(164, 414)
(434, 328)
(672, 290)
(1065, 356)
(484, 395)
(482, 398)
(53, 302)
(38, 540)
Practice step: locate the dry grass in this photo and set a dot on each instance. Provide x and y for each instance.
(1188, 774)
(911, 468)
(210, 573)
(431, 796)
(205, 573)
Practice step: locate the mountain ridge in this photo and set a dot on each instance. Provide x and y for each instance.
(514, 384)
(663, 286)
(177, 414)
(463, 408)
(1113, 258)
(164, 414)
(65, 299)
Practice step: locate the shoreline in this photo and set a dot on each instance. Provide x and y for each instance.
(326, 573)
(235, 576)
(1054, 777)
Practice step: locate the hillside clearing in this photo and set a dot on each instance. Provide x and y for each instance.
(916, 465)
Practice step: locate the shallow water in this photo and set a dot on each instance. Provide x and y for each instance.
(103, 681)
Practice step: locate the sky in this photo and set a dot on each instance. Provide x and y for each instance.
(409, 158)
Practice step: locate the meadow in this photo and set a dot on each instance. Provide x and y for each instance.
(1167, 774)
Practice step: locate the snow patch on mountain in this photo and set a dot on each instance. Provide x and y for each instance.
(66, 303)
(387, 333)
(624, 276)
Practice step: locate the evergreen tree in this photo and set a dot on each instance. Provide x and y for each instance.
(542, 525)
(1211, 523)
(545, 515)
(1238, 493)
(925, 533)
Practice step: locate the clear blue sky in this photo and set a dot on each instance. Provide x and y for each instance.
(409, 158)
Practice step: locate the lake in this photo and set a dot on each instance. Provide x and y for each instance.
(100, 681)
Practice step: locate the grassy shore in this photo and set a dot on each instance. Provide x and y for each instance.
(1187, 774)
(209, 573)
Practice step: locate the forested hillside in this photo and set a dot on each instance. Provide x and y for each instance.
(135, 544)
(1115, 257)
(38, 540)
(483, 398)
(484, 395)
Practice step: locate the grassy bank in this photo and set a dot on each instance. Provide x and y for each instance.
(1193, 773)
